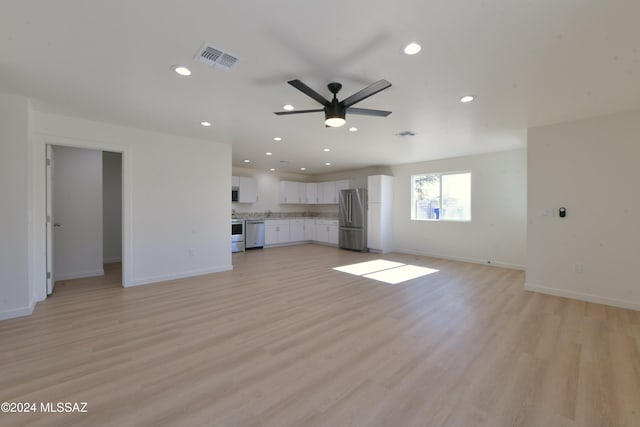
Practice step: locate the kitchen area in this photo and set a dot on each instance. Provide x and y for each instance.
(270, 210)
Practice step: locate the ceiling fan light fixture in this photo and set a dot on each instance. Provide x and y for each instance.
(335, 122)
(467, 98)
(288, 107)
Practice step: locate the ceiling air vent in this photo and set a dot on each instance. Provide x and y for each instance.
(214, 57)
(405, 133)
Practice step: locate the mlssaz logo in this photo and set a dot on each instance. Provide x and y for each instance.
(65, 407)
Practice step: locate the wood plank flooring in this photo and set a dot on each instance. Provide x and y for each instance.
(284, 340)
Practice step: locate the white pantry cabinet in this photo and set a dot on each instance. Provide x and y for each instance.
(379, 224)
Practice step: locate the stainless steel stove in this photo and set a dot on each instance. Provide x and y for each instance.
(237, 235)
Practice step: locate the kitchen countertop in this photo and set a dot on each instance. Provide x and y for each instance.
(284, 215)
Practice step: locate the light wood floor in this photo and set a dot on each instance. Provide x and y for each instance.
(283, 340)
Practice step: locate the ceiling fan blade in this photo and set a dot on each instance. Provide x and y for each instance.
(368, 112)
(309, 92)
(282, 113)
(372, 89)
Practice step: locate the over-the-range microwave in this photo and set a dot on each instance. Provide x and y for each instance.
(234, 194)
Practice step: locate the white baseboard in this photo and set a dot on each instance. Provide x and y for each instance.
(164, 278)
(111, 260)
(79, 275)
(18, 312)
(581, 296)
(455, 258)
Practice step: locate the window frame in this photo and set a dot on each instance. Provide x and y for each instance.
(412, 212)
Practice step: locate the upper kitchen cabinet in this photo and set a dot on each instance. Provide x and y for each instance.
(312, 193)
(311, 190)
(327, 192)
(246, 187)
(342, 185)
(248, 190)
(290, 192)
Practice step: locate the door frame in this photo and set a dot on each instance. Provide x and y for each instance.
(49, 221)
(39, 229)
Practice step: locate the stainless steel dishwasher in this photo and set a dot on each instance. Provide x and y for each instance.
(254, 233)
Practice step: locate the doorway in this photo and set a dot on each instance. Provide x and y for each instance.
(84, 217)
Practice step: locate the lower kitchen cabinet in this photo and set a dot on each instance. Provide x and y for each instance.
(296, 230)
(276, 232)
(326, 231)
(283, 231)
(309, 225)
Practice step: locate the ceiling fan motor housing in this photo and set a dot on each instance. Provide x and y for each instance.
(334, 109)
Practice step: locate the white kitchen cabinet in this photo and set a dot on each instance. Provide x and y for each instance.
(296, 230)
(290, 192)
(326, 231)
(309, 225)
(248, 190)
(276, 232)
(342, 185)
(333, 233)
(328, 193)
(311, 192)
(235, 181)
(380, 189)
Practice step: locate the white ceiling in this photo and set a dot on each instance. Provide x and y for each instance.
(529, 62)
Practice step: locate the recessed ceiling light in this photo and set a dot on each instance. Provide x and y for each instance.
(353, 129)
(205, 124)
(288, 107)
(327, 164)
(467, 98)
(272, 169)
(247, 161)
(412, 48)
(277, 139)
(268, 153)
(303, 169)
(182, 70)
(326, 149)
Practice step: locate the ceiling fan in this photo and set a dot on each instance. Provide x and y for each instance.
(334, 110)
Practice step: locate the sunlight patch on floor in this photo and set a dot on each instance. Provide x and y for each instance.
(386, 271)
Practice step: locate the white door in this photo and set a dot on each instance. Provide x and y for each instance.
(49, 219)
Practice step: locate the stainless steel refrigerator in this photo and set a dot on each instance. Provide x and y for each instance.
(353, 219)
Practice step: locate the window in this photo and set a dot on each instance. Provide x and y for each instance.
(441, 196)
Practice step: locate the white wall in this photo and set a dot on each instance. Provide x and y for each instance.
(15, 296)
(112, 206)
(77, 208)
(496, 233)
(175, 197)
(590, 167)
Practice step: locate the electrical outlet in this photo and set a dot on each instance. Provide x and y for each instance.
(192, 252)
(578, 268)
